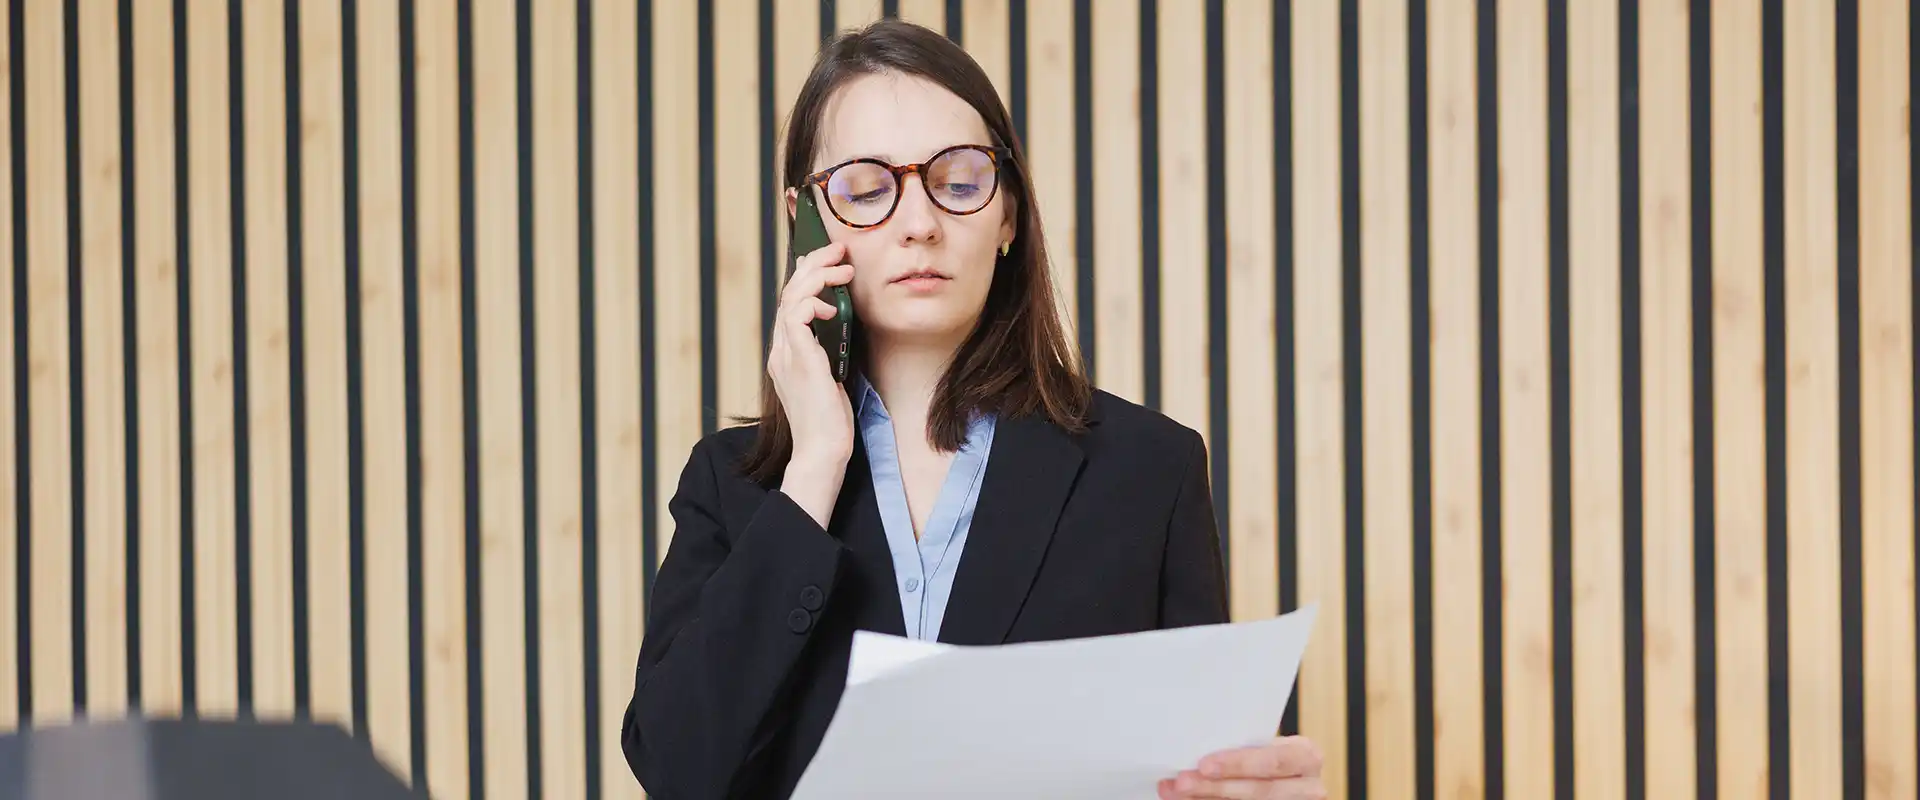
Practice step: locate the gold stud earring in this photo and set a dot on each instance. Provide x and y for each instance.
(1005, 247)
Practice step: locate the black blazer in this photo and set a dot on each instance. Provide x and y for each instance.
(753, 611)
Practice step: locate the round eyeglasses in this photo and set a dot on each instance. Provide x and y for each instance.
(864, 192)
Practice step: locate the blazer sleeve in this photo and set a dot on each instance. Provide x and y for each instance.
(1193, 586)
(728, 619)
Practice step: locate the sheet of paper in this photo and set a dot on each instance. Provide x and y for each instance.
(1099, 718)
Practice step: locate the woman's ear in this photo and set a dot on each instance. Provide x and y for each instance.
(793, 203)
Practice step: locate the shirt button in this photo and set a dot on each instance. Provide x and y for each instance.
(913, 584)
(798, 620)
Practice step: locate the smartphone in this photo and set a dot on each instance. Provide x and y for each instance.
(836, 333)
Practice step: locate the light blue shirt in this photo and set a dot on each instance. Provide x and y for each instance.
(923, 570)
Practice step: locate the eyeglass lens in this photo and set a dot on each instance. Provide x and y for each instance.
(960, 181)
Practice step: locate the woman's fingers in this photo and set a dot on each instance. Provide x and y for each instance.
(818, 270)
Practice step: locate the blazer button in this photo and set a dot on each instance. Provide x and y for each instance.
(810, 598)
(798, 620)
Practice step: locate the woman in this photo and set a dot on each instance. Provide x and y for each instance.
(965, 484)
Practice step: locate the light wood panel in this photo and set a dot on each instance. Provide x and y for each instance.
(387, 565)
(1319, 410)
(504, 545)
(1739, 397)
(481, 720)
(1666, 400)
(1453, 336)
(1116, 183)
(48, 363)
(159, 349)
(1526, 461)
(931, 14)
(1812, 398)
(676, 255)
(1593, 245)
(1253, 462)
(1051, 147)
(215, 423)
(11, 659)
(740, 201)
(447, 566)
(619, 402)
(1183, 215)
(557, 304)
(795, 44)
(986, 31)
(268, 419)
(1386, 397)
(102, 360)
(1886, 399)
(856, 13)
(323, 244)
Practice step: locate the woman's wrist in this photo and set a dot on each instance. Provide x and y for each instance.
(814, 485)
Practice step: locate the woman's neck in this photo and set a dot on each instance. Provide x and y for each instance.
(906, 375)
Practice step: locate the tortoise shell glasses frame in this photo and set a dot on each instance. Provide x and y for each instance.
(997, 158)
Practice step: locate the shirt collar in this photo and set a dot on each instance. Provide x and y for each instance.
(866, 401)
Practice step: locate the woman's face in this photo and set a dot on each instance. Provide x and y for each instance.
(923, 274)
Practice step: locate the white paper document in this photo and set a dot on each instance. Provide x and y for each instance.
(1101, 718)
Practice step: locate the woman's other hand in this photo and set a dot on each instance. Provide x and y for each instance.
(1287, 768)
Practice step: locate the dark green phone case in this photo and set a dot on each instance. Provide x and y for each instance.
(835, 334)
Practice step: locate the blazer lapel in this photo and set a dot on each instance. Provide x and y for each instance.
(1031, 470)
(865, 537)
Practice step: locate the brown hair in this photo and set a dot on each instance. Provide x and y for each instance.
(1017, 360)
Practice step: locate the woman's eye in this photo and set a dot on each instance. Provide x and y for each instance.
(960, 189)
(869, 197)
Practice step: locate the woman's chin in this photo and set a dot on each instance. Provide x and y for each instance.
(920, 328)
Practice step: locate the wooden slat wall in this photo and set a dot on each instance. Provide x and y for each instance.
(1562, 353)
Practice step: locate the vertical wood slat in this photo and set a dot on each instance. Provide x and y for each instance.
(324, 290)
(445, 563)
(215, 422)
(856, 13)
(503, 551)
(676, 255)
(1119, 344)
(619, 404)
(11, 659)
(387, 566)
(1252, 527)
(159, 349)
(986, 34)
(1454, 339)
(795, 44)
(1525, 372)
(1593, 157)
(101, 360)
(1183, 214)
(931, 14)
(1886, 396)
(1739, 414)
(48, 363)
(1812, 400)
(1318, 403)
(269, 393)
(1666, 398)
(556, 290)
(739, 202)
(1386, 397)
(1050, 147)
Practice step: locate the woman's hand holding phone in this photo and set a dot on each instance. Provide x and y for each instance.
(819, 414)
